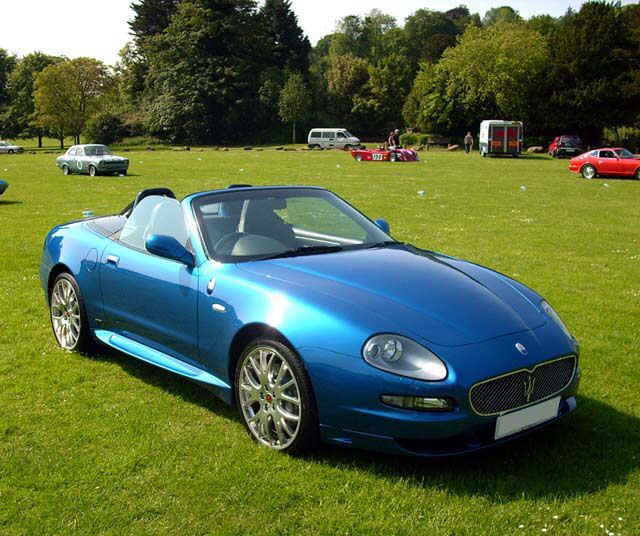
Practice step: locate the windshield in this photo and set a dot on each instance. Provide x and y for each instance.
(570, 141)
(348, 134)
(97, 150)
(624, 153)
(247, 225)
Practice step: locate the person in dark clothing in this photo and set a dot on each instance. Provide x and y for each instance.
(468, 142)
(396, 138)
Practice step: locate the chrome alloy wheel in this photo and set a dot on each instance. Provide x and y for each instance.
(270, 398)
(589, 172)
(65, 314)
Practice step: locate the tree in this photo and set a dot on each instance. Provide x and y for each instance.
(151, 17)
(67, 94)
(500, 15)
(592, 72)
(204, 72)
(346, 79)
(459, 91)
(7, 64)
(20, 112)
(424, 24)
(294, 101)
(290, 48)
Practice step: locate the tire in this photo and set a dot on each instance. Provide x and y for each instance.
(393, 157)
(358, 157)
(637, 174)
(92, 171)
(66, 170)
(10, 151)
(483, 154)
(589, 172)
(268, 412)
(68, 315)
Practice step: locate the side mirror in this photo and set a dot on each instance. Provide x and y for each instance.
(169, 248)
(382, 225)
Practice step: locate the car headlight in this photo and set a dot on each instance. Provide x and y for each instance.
(555, 317)
(403, 356)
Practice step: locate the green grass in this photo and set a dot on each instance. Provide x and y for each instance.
(108, 445)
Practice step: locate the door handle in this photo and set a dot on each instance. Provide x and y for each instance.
(113, 259)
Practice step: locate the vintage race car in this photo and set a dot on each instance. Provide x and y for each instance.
(606, 162)
(385, 155)
(3, 186)
(92, 160)
(308, 317)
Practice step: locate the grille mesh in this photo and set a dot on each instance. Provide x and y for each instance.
(510, 391)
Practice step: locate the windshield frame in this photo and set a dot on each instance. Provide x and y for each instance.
(624, 154)
(301, 191)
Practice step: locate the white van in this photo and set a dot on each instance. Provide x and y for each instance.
(332, 138)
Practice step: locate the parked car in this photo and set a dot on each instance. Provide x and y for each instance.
(92, 160)
(606, 162)
(9, 148)
(3, 186)
(332, 138)
(385, 155)
(565, 145)
(313, 321)
(499, 137)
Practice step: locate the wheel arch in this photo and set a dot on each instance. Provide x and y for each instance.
(57, 269)
(244, 336)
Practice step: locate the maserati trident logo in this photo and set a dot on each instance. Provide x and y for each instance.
(521, 348)
(529, 384)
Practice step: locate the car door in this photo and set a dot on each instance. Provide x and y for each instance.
(148, 298)
(607, 163)
(79, 161)
(329, 140)
(341, 140)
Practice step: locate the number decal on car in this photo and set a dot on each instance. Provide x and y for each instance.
(377, 156)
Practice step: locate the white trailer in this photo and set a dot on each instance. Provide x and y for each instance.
(500, 137)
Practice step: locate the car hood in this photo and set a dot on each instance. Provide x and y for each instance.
(446, 301)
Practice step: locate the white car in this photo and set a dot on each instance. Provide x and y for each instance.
(6, 147)
(332, 138)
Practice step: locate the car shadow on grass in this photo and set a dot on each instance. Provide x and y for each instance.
(587, 451)
(3, 202)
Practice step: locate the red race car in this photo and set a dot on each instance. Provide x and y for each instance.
(607, 162)
(385, 155)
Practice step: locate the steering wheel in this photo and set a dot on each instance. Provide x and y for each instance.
(226, 243)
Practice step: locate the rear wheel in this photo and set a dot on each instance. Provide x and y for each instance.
(589, 172)
(68, 314)
(274, 397)
(92, 171)
(65, 170)
(393, 157)
(10, 151)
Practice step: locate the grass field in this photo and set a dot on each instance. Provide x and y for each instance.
(108, 445)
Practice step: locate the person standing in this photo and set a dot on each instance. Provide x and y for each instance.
(468, 142)
(396, 138)
(391, 141)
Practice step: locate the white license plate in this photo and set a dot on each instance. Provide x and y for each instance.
(515, 422)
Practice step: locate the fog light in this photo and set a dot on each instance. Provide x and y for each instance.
(418, 403)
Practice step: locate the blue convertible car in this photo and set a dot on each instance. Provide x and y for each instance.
(308, 317)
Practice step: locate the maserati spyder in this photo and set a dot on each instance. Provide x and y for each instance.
(293, 306)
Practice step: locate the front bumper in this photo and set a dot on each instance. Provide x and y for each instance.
(348, 394)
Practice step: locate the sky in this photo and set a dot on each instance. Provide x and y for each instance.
(99, 29)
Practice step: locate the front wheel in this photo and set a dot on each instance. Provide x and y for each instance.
(68, 314)
(393, 157)
(589, 172)
(275, 398)
(359, 157)
(92, 171)
(10, 151)
(65, 170)
(637, 175)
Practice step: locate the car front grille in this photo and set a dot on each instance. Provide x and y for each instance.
(522, 387)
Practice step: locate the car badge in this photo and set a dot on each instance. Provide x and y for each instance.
(529, 384)
(521, 348)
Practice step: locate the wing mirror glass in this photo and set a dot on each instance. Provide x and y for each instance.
(169, 248)
(382, 225)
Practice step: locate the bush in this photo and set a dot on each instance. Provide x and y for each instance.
(104, 128)
(414, 138)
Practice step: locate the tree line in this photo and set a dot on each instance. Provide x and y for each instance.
(224, 71)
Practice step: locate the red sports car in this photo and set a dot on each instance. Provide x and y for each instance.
(385, 155)
(607, 162)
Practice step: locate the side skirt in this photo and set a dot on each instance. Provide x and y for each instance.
(164, 361)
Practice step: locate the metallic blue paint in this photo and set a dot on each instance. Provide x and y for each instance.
(325, 306)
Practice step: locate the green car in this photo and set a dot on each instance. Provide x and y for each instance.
(93, 160)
